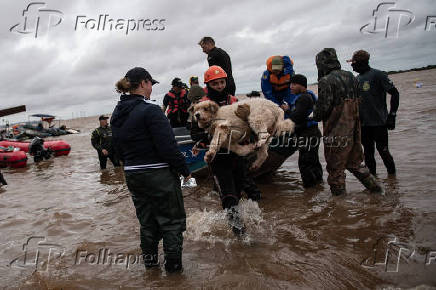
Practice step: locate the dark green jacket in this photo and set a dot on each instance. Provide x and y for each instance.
(101, 138)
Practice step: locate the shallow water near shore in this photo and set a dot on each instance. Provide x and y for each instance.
(80, 222)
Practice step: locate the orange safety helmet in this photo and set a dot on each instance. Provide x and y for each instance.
(214, 72)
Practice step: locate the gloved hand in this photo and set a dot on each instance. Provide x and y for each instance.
(390, 122)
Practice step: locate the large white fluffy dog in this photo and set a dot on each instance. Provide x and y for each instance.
(231, 126)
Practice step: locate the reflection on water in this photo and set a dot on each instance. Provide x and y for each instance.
(296, 237)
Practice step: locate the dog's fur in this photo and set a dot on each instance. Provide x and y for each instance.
(231, 125)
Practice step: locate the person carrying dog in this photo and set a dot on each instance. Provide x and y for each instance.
(230, 170)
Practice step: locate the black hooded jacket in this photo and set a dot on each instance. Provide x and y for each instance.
(143, 136)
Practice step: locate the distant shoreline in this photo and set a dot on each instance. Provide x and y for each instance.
(410, 70)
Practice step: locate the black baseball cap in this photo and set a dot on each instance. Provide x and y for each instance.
(299, 79)
(137, 74)
(359, 56)
(103, 117)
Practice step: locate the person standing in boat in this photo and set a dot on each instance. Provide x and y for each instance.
(176, 104)
(219, 57)
(101, 140)
(276, 80)
(152, 165)
(275, 84)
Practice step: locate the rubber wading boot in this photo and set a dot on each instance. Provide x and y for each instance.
(236, 222)
(151, 260)
(254, 195)
(337, 190)
(173, 264)
(392, 170)
(371, 183)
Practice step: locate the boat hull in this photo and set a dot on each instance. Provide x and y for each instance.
(196, 163)
(185, 143)
(13, 159)
(59, 147)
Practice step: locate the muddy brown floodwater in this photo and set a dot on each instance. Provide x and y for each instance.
(66, 224)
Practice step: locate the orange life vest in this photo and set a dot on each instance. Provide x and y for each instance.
(281, 83)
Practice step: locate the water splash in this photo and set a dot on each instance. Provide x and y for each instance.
(213, 226)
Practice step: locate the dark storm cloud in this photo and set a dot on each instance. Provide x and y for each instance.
(69, 71)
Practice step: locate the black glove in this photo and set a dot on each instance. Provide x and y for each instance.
(390, 122)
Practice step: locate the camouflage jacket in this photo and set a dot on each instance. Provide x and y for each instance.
(333, 89)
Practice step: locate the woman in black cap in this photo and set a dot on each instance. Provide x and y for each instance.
(152, 164)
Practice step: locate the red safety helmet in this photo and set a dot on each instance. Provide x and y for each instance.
(214, 72)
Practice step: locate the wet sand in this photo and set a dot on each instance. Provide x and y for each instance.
(296, 238)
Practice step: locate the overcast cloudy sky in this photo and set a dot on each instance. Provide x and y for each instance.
(64, 71)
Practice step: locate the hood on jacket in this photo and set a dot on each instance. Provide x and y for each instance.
(327, 61)
(126, 104)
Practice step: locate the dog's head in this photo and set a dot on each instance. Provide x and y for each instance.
(204, 112)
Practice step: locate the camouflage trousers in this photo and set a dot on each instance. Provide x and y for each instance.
(342, 144)
(349, 157)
